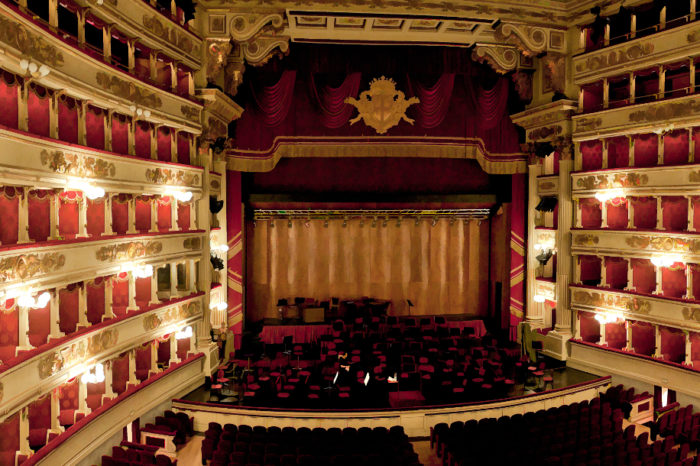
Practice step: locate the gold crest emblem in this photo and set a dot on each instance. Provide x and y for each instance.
(383, 106)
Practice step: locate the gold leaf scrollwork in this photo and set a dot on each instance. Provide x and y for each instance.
(585, 240)
(191, 113)
(29, 265)
(659, 243)
(383, 106)
(587, 124)
(171, 177)
(615, 57)
(77, 165)
(128, 251)
(172, 35)
(626, 303)
(128, 90)
(593, 182)
(192, 243)
(171, 316)
(28, 43)
(77, 352)
(666, 111)
(629, 180)
(691, 314)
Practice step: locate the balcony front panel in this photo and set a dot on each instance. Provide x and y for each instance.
(638, 244)
(670, 180)
(668, 312)
(548, 185)
(86, 78)
(48, 163)
(49, 266)
(645, 52)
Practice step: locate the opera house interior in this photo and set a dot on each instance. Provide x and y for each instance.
(333, 233)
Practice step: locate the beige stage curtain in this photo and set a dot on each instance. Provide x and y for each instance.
(442, 269)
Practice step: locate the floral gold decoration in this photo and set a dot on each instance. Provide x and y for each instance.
(128, 90)
(126, 251)
(383, 106)
(612, 301)
(544, 132)
(192, 243)
(191, 113)
(171, 177)
(28, 43)
(172, 35)
(585, 240)
(690, 313)
(663, 243)
(588, 124)
(694, 176)
(666, 111)
(629, 180)
(593, 182)
(77, 352)
(214, 184)
(26, 266)
(76, 164)
(615, 57)
(171, 316)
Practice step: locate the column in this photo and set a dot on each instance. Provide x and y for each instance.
(577, 213)
(108, 129)
(563, 239)
(54, 316)
(691, 143)
(604, 214)
(23, 216)
(173, 214)
(533, 311)
(132, 293)
(131, 140)
(633, 26)
(577, 269)
(659, 214)
(657, 341)
(691, 214)
(628, 332)
(630, 214)
(602, 341)
(688, 349)
(603, 272)
(606, 35)
(193, 214)
(131, 54)
(606, 93)
(174, 359)
(154, 288)
(53, 114)
(660, 145)
(82, 216)
(23, 330)
(82, 397)
(662, 78)
(81, 13)
(659, 280)
(173, 145)
(154, 140)
(633, 88)
(173, 77)
(662, 18)
(54, 220)
(108, 215)
(631, 150)
(173, 280)
(689, 294)
(630, 276)
(133, 381)
(193, 339)
(154, 358)
(22, 110)
(82, 122)
(82, 306)
(109, 311)
(109, 379)
(191, 276)
(153, 204)
(131, 206)
(107, 43)
(605, 153)
(152, 57)
(193, 148)
(24, 432)
(692, 10)
(577, 325)
(56, 411)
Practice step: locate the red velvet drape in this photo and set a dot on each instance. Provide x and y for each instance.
(590, 328)
(591, 213)
(646, 150)
(9, 209)
(39, 417)
(334, 112)
(95, 300)
(9, 331)
(590, 269)
(96, 217)
(143, 291)
(591, 155)
(68, 119)
(68, 309)
(164, 144)
(38, 104)
(676, 147)
(673, 281)
(617, 213)
(592, 96)
(120, 294)
(672, 344)
(9, 98)
(39, 325)
(68, 212)
(644, 212)
(143, 362)
(39, 214)
(68, 400)
(95, 391)
(95, 127)
(618, 152)
(143, 213)
(164, 217)
(435, 101)
(644, 274)
(616, 272)
(120, 214)
(643, 340)
(120, 373)
(615, 335)
(164, 352)
(675, 213)
(120, 134)
(183, 347)
(142, 139)
(273, 102)
(183, 216)
(9, 440)
(183, 147)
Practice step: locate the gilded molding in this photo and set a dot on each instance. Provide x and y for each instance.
(258, 36)
(171, 35)
(171, 316)
(245, 27)
(128, 90)
(585, 240)
(171, 177)
(131, 250)
(619, 180)
(383, 106)
(593, 182)
(545, 132)
(26, 266)
(693, 36)
(615, 57)
(77, 352)
(663, 243)
(666, 111)
(547, 185)
(529, 39)
(595, 299)
(192, 243)
(31, 45)
(191, 113)
(588, 124)
(76, 164)
(690, 313)
(501, 59)
(694, 176)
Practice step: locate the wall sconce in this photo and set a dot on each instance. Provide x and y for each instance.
(538, 298)
(182, 196)
(221, 306)
(34, 70)
(665, 261)
(28, 301)
(605, 196)
(139, 111)
(94, 375)
(90, 191)
(138, 271)
(184, 333)
(218, 248)
(609, 318)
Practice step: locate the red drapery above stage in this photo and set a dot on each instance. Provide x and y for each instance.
(334, 112)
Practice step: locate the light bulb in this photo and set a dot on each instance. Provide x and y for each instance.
(33, 67)
(147, 113)
(43, 299)
(132, 108)
(24, 64)
(538, 298)
(26, 301)
(139, 111)
(222, 306)
(44, 70)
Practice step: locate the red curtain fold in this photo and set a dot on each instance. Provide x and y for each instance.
(68, 211)
(143, 291)
(143, 362)
(120, 373)
(616, 272)
(120, 296)
(164, 144)
(39, 325)
(9, 209)
(673, 281)
(120, 134)
(644, 274)
(164, 217)
(672, 344)
(68, 120)
(39, 417)
(334, 112)
(95, 127)
(646, 150)
(143, 214)
(183, 347)
(589, 327)
(591, 213)
(96, 217)
(183, 216)
(592, 155)
(617, 213)
(590, 269)
(9, 334)
(68, 299)
(142, 139)
(615, 335)
(120, 215)
(38, 110)
(9, 440)
(675, 213)
(643, 339)
(676, 147)
(183, 147)
(274, 101)
(435, 100)
(9, 99)
(95, 293)
(489, 104)
(163, 352)
(644, 212)
(618, 152)
(39, 214)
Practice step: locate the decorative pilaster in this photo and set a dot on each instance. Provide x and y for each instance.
(633, 87)
(606, 93)
(660, 153)
(657, 342)
(154, 288)
(82, 306)
(659, 214)
(109, 310)
(82, 216)
(577, 213)
(153, 204)
(563, 238)
(688, 349)
(132, 293)
(56, 411)
(82, 397)
(173, 280)
(630, 276)
(689, 293)
(605, 154)
(603, 273)
(133, 381)
(154, 358)
(82, 122)
(108, 216)
(24, 432)
(630, 214)
(23, 330)
(131, 205)
(54, 316)
(691, 214)
(577, 325)
(604, 214)
(659, 280)
(23, 217)
(628, 332)
(174, 359)
(191, 276)
(577, 268)
(173, 214)
(54, 203)
(533, 312)
(602, 341)
(193, 215)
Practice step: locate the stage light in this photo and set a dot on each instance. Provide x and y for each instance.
(182, 196)
(366, 379)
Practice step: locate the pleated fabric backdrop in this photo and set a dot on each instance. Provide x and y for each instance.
(443, 269)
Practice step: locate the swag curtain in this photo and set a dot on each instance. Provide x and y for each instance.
(334, 112)
(442, 269)
(274, 101)
(434, 101)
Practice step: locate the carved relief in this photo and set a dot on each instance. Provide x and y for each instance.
(529, 39)
(626, 303)
(171, 176)
(172, 35)
(523, 85)
(544, 132)
(616, 57)
(192, 243)
(588, 124)
(77, 353)
(26, 266)
(501, 59)
(547, 185)
(629, 180)
(382, 107)
(76, 164)
(690, 313)
(259, 36)
(126, 251)
(191, 113)
(217, 51)
(663, 243)
(666, 111)
(554, 73)
(593, 182)
(585, 240)
(171, 316)
(128, 90)
(214, 184)
(29, 44)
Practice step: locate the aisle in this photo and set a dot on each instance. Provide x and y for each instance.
(426, 456)
(191, 453)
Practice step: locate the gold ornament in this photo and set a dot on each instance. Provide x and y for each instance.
(382, 107)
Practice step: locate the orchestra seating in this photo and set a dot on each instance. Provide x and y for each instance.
(578, 434)
(245, 445)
